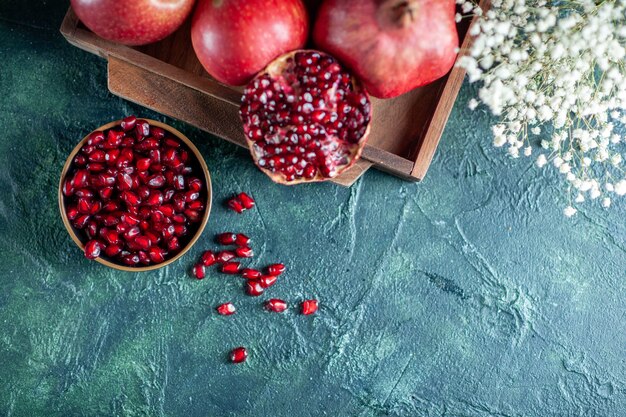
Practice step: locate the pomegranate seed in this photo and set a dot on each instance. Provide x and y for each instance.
(142, 128)
(276, 269)
(195, 184)
(156, 181)
(112, 250)
(250, 273)
(196, 205)
(80, 160)
(80, 178)
(242, 240)
(254, 288)
(95, 138)
(131, 259)
(230, 268)
(246, 201)
(173, 244)
(128, 123)
(192, 215)
(81, 221)
(171, 142)
(225, 256)
(180, 229)
(235, 205)
(157, 132)
(156, 254)
(226, 309)
(111, 236)
(84, 206)
(92, 229)
(143, 242)
(106, 193)
(130, 198)
(267, 281)
(92, 249)
(276, 305)
(238, 355)
(67, 188)
(309, 307)
(199, 271)
(226, 238)
(208, 258)
(244, 252)
(72, 212)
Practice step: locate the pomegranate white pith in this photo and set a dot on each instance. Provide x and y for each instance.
(305, 118)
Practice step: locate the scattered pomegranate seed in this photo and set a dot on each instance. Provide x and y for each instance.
(199, 271)
(238, 355)
(276, 269)
(225, 256)
(226, 309)
(92, 249)
(246, 201)
(250, 273)
(309, 307)
(226, 238)
(235, 205)
(244, 252)
(276, 305)
(208, 258)
(231, 268)
(242, 240)
(267, 281)
(254, 288)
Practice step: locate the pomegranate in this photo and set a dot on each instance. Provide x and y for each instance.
(393, 46)
(305, 118)
(132, 22)
(235, 39)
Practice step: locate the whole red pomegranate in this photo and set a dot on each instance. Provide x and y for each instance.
(305, 118)
(393, 46)
(235, 39)
(132, 22)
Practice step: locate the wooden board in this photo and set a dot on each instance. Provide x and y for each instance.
(167, 77)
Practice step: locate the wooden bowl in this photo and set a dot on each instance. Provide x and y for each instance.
(207, 180)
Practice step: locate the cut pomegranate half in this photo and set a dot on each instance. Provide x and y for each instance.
(305, 118)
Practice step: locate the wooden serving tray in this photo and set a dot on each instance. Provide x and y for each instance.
(167, 77)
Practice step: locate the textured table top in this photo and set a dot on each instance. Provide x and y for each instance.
(469, 294)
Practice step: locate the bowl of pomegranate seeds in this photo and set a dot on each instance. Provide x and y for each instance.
(135, 194)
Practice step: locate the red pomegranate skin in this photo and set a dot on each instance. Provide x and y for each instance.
(132, 22)
(235, 39)
(393, 46)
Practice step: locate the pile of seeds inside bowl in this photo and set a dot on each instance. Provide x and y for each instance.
(256, 281)
(135, 194)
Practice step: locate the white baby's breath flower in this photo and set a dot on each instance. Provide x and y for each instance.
(555, 67)
(542, 160)
(606, 202)
(569, 211)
